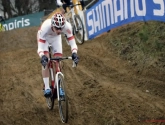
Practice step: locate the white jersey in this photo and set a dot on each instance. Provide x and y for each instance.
(47, 36)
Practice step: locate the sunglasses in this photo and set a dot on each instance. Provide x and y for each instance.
(58, 28)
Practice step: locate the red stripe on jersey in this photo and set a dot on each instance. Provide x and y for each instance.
(45, 52)
(58, 54)
(40, 52)
(74, 49)
(70, 38)
(42, 41)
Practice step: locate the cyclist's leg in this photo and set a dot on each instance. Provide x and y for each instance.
(70, 37)
(43, 48)
(66, 4)
(82, 4)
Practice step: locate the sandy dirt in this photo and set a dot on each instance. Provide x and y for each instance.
(102, 90)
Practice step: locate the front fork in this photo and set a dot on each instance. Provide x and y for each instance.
(57, 80)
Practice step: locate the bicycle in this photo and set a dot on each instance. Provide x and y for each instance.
(77, 24)
(57, 84)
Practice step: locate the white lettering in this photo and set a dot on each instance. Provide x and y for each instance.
(96, 19)
(101, 16)
(107, 11)
(159, 12)
(132, 8)
(90, 23)
(17, 24)
(138, 11)
(22, 22)
(118, 12)
(125, 8)
(11, 26)
(112, 12)
(27, 22)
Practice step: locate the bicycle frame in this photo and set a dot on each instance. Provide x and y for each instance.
(57, 72)
(58, 96)
(72, 13)
(52, 74)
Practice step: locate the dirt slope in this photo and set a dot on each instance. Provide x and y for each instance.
(102, 90)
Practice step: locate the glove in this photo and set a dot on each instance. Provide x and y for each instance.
(44, 60)
(75, 58)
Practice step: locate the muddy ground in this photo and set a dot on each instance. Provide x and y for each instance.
(102, 90)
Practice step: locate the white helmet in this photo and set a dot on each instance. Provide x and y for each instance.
(58, 21)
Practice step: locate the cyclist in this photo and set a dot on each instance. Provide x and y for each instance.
(1, 20)
(50, 33)
(66, 3)
(1, 27)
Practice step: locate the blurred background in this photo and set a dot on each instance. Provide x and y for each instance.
(14, 8)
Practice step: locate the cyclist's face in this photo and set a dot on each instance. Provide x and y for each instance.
(57, 30)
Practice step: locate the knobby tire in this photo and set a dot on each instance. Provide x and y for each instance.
(63, 104)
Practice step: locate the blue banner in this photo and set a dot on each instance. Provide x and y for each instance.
(108, 14)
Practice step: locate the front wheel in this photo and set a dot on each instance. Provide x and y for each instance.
(63, 101)
(78, 29)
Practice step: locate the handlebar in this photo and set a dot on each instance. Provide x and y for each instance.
(63, 58)
(60, 58)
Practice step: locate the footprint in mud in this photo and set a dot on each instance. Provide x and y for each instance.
(92, 83)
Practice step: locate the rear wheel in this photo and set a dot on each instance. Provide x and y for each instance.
(50, 102)
(79, 29)
(63, 101)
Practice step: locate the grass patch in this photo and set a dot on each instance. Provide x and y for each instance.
(140, 42)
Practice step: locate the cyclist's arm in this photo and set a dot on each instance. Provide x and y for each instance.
(41, 36)
(68, 31)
